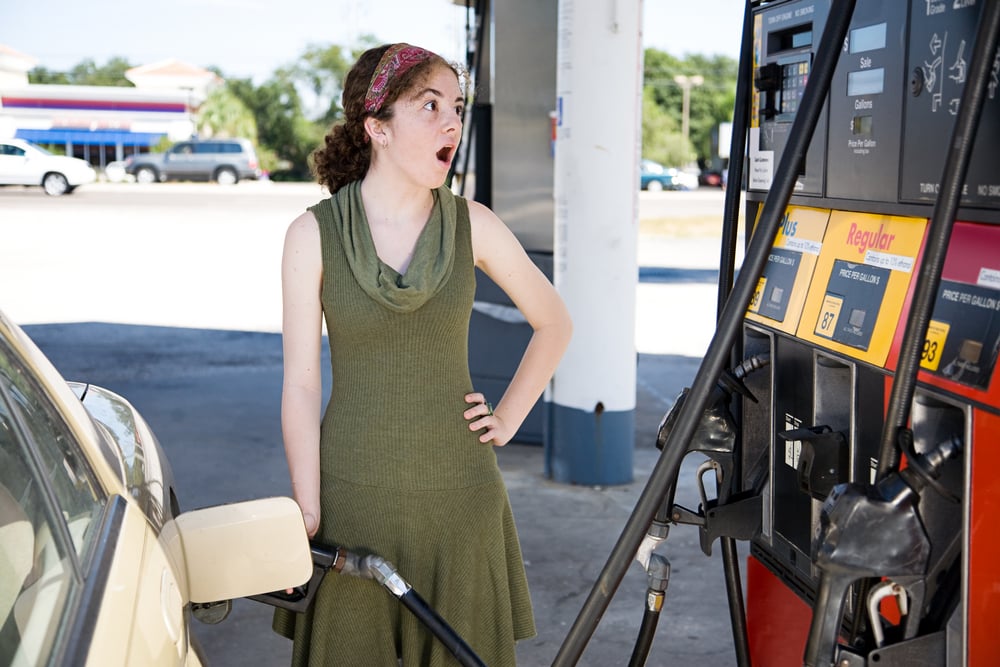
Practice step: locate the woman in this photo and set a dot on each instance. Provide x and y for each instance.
(401, 463)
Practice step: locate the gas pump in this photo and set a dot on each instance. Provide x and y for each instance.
(881, 540)
(871, 285)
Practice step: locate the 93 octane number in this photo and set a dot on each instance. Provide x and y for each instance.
(937, 335)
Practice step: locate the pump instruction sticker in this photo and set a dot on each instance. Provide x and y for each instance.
(783, 285)
(860, 283)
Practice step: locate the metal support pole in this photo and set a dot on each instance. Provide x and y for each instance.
(592, 406)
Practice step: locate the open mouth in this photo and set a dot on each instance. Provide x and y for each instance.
(444, 155)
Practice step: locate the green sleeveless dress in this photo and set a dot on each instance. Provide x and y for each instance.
(402, 476)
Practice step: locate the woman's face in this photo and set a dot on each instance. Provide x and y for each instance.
(426, 128)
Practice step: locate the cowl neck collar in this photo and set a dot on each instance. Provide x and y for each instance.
(433, 255)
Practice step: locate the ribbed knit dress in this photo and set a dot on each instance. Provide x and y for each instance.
(401, 474)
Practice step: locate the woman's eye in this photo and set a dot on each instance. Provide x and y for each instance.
(431, 105)
(459, 111)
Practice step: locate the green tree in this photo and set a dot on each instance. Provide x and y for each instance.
(296, 107)
(86, 73)
(320, 72)
(112, 73)
(42, 75)
(661, 140)
(223, 114)
(711, 102)
(281, 126)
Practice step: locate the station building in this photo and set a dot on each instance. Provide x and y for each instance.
(102, 124)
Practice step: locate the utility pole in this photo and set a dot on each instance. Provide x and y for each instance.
(687, 83)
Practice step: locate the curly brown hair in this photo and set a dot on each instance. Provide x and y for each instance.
(346, 151)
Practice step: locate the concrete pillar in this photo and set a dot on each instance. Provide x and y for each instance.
(598, 106)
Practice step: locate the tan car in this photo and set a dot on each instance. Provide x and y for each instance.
(97, 564)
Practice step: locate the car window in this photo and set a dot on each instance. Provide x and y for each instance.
(7, 149)
(50, 509)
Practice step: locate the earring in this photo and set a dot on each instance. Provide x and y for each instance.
(385, 143)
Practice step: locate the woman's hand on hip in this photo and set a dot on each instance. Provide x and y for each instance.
(482, 417)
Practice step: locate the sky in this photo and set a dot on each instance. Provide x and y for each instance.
(253, 38)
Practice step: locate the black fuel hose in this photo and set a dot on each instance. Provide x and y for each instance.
(650, 619)
(727, 272)
(444, 632)
(659, 577)
(737, 149)
(385, 573)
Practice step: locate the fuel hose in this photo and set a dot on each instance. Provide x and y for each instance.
(384, 573)
(338, 560)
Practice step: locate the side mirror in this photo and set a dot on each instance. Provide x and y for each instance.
(242, 549)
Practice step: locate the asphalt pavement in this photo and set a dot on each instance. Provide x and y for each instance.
(211, 394)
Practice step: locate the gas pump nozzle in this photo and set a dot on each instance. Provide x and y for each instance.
(870, 532)
(715, 437)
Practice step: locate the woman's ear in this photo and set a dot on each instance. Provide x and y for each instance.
(376, 131)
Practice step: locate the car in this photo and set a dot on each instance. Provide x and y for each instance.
(98, 565)
(654, 177)
(25, 163)
(711, 178)
(115, 171)
(685, 180)
(225, 161)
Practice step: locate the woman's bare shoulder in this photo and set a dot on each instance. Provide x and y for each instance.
(302, 240)
(479, 212)
(303, 229)
(305, 221)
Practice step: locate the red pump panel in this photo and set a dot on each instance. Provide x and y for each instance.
(777, 619)
(984, 542)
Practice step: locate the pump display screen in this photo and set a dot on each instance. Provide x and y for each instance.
(866, 82)
(868, 38)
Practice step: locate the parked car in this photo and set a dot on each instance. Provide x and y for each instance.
(711, 178)
(98, 566)
(225, 161)
(654, 177)
(25, 163)
(685, 180)
(115, 171)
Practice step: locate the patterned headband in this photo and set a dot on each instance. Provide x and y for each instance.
(396, 60)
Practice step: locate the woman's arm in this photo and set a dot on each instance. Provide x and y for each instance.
(500, 256)
(302, 387)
